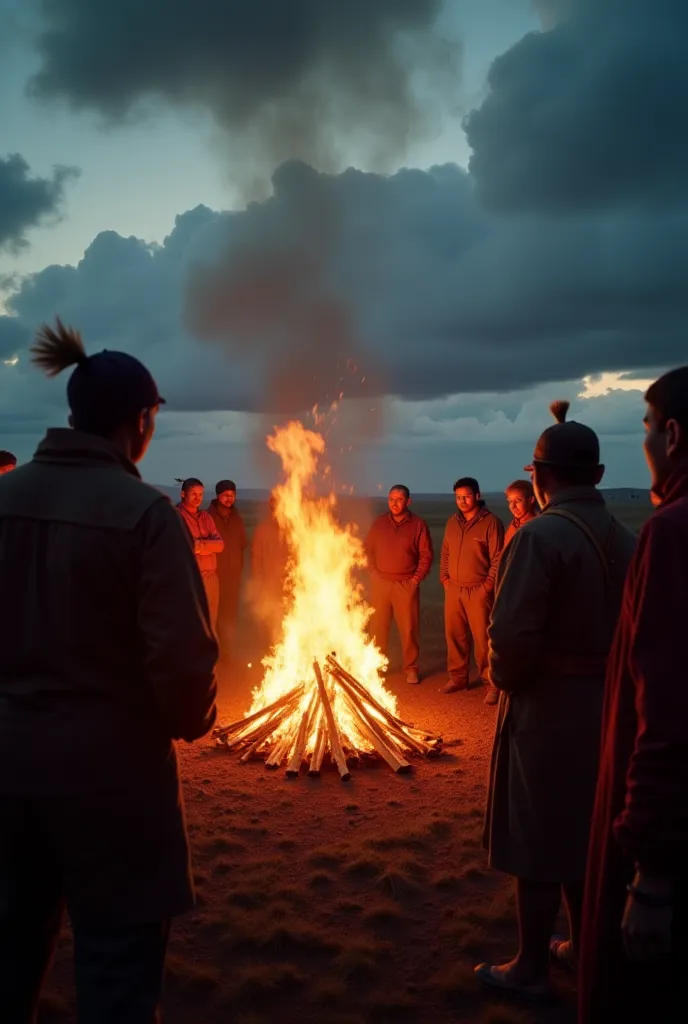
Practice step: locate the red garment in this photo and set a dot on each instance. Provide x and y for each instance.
(641, 807)
(399, 551)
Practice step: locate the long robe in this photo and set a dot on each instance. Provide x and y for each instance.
(551, 631)
(641, 805)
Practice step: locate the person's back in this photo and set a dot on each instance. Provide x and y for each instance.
(106, 657)
(79, 533)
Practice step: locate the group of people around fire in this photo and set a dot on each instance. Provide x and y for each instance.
(108, 655)
(400, 556)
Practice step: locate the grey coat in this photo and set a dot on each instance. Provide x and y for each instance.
(552, 625)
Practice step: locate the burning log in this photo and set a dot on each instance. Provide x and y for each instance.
(304, 721)
(332, 731)
(320, 746)
(299, 749)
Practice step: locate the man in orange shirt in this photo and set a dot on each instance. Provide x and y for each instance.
(207, 541)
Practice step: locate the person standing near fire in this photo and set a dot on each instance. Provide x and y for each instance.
(399, 550)
(230, 561)
(269, 570)
(207, 542)
(8, 462)
(635, 923)
(471, 549)
(558, 597)
(520, 497)
(107, 657)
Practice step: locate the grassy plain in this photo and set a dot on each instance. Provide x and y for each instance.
(361, 903)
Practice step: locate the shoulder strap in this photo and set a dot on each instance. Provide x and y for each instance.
(583, 526)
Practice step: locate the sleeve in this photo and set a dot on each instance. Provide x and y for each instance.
(495, 545)
(519, 616)
(653, 827)
(444, 556)
(425, 553)
(213, 543)
(180, 648)
(243, 537)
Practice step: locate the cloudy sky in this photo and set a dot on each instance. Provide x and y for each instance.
(439, 215)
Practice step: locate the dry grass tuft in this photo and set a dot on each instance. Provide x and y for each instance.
(365, 867)
(384, 915)
(190, 977)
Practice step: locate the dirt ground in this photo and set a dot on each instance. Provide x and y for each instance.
(367, 901)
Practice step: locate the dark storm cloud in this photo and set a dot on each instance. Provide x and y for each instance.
(304, 78)
(405, 275)
(27, 201)
(590, 113)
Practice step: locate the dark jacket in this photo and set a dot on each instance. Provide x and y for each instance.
(399, 551)
(230, 527)
(106, 650)
(471, 550)
(201, 527)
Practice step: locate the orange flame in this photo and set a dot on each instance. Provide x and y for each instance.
(326, 609)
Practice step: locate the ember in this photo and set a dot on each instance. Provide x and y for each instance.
(313, 702)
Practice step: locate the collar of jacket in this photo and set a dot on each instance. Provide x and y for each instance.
(483, 510)
(676, 486)
(62, 445)
(407, 518)
(571, 494)
(215, 506)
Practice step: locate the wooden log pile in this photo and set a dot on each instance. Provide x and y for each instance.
(308, 710)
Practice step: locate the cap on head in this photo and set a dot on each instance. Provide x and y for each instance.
(106, 389)
(225, 485)
(567, 444)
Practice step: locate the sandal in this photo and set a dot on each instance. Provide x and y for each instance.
(499, 981)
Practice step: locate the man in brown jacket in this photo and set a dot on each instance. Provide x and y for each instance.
(207, 542)
(472, 545)
(399, 549)
(106, 658)
(230, 561)
(558, 597)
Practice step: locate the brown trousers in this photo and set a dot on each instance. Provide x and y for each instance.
(398, 599)
(466, 618)
(212, 592)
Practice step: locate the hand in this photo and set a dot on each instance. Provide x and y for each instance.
(646, 931)
(198, 547)
(445, 584)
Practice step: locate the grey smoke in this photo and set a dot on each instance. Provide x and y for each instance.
(307, 79)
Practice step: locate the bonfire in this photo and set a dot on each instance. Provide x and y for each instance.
(322, 695)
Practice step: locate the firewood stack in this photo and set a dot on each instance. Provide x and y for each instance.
(262, 734)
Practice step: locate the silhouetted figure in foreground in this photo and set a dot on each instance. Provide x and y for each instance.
(635, 941)
(557, 602)
(106, 657)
